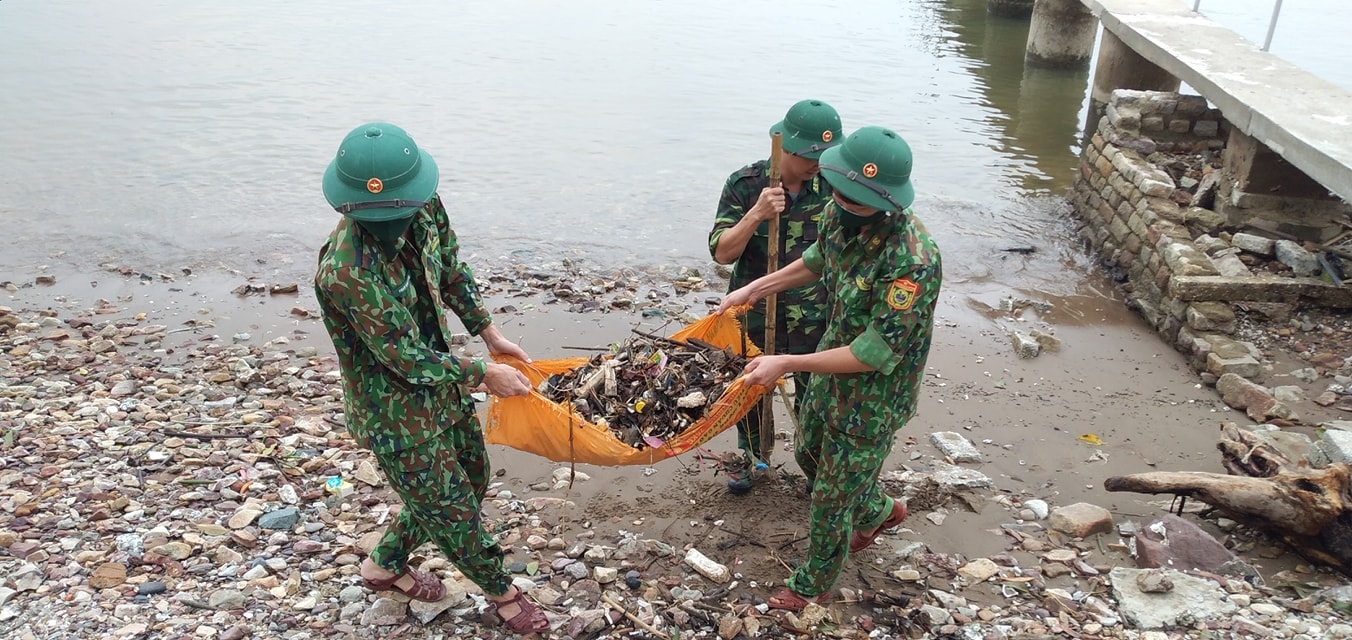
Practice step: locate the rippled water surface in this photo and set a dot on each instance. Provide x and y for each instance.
(164, 133)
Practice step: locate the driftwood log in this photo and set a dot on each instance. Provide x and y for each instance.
(1310, 510)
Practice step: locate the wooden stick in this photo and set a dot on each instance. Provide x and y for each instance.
(767, 434)
(633, 618)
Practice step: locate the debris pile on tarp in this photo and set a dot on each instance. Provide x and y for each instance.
(649, 388)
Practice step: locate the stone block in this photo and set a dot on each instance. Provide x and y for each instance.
(1156, 188)
(1081, 520)
(1024, 346)
(1136, 222)
(1133, 245)
(1118, 229)
(1180, 125)
(1291, 254)
(955, 447)
(1152, 123)
(1159, 103)
(1125, 208)
(1229, 265)
(1244, 366)
(1207, 128)
(1260, 288)
(1166, 209)
(1211, 316)
(1123, 117)
(1192, 600)
(1191, 106)
(1336, 445)
(1203, 220)
(1185, 260)
(1210, 244)
(1253, 244)
(1104, 166)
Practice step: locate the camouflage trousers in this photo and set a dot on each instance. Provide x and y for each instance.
(442, 485)
(748, 428)
(842, 472)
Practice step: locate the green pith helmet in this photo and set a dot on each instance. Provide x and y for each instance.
(379, 174)
(872, 167)
(810, 127)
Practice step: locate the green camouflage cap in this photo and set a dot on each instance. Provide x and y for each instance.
(379, 174)
(872, 167)
(810, 127)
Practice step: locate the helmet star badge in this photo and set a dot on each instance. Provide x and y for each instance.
(870, 170)
(827, 135)
(374, 185)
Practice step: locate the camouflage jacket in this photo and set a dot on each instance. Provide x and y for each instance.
(884, 285)
(801, 312)
(384, 313)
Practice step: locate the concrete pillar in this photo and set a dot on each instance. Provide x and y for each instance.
(1010, 8)
(1121, 68)
(1262, 189)
(1257, 169)
(1061, 35)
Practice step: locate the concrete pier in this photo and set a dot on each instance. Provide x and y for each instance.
(1061, 35)
(1291, 112)
(1120, 67)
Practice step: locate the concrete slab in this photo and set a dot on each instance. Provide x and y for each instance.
(1305, 119)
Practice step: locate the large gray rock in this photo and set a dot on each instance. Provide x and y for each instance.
(1191, 600)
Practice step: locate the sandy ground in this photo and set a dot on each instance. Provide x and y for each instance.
(1113, 382)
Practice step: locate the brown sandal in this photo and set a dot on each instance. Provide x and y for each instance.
(860, 540)
(426, 587)
(790, 600)
(531, 619)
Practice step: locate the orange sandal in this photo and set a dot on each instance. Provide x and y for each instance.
(426, 587)
(860, 541)
(789, 600)
(531, 619)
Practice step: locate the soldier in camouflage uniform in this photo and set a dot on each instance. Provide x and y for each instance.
(882, 272)
(384, 274)
(740, 236)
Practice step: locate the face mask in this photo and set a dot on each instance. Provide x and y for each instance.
(387, 232)
(854, 221)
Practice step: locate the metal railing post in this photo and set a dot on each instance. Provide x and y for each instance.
(1272, 25)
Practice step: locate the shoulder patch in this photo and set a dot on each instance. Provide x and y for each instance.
(901, 295)
(753, 170)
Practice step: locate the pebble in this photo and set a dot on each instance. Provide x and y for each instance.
(232, 537)
(279, 519)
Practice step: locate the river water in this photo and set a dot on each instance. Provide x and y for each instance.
(161, 133)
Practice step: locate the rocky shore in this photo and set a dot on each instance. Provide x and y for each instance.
(169, 482)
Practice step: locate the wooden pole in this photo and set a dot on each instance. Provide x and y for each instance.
(767, 433)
